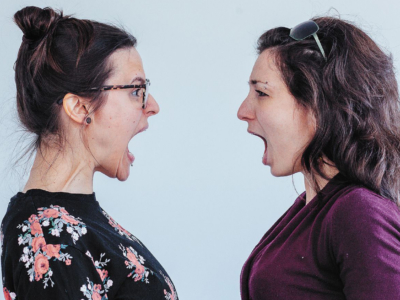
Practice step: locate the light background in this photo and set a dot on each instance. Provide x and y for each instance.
(198, 195)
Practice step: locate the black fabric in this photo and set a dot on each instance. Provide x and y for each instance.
(65, 246)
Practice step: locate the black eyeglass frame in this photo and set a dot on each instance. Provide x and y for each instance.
(304, 30)
(126, 86)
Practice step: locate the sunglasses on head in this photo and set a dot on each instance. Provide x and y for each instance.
(304, 30)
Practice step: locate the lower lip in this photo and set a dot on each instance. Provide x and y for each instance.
(130, 156)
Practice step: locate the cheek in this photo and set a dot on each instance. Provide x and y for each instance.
(301, 133)
(306, 126)
(134, 119)
(275, 125)
(286, 132)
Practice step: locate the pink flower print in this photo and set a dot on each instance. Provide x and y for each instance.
(135, 262)
(93, 291)
(97, 287)
(64, 211)
(131, 256)
(51, 213)
(32, 218)
(69, 219)
(41, 266)
(37, 252)
(139, 269)
(37, 243)
(6, 294)
(171, 288)
(36, 228)
(100, 264)
(96, 296)
(52, 250)
(172, 295)
(123, 229)
(103, 274)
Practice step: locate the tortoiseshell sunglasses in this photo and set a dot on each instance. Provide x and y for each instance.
(142, 90)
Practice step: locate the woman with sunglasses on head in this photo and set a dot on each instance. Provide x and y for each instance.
(58, 242)
(325, 102)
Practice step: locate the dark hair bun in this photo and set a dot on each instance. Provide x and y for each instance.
(36, 22)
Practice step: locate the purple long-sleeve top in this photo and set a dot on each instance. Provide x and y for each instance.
(344, 244)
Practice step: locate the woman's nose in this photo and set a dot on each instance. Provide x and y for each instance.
(152, 107)
(244, 112)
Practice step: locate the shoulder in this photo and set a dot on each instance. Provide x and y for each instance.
(359, 203)
(361, 219)
(16, 224)
(50, 248)
(29, 229)
(365, 243)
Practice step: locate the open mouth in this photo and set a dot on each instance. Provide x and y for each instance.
(264, 158)
(131, 157)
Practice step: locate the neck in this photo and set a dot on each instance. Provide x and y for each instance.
(57, 171)
(309, 185)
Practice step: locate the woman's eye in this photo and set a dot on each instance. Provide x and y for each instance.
(136, 93)
(261, 94)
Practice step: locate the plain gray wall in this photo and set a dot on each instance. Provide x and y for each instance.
(198, 196)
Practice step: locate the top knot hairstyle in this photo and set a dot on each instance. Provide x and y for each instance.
(59, 55)
(354, 98)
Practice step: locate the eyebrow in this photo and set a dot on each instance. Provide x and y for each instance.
(138, 78)
(254, 81)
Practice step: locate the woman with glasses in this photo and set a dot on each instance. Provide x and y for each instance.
(82, 90)
(324, 99)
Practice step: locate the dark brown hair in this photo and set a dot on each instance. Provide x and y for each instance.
(354, 98)
(59, 55)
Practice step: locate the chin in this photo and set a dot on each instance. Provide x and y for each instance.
(276, 172)
(122, 177)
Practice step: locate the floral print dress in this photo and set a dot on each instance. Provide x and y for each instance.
(65, 246)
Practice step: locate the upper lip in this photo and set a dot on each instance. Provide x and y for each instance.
(144, 128)
(141, 130)
(253, 133)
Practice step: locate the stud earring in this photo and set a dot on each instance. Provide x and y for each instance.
(88, 120)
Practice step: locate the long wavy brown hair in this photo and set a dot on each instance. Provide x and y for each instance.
(354, 98)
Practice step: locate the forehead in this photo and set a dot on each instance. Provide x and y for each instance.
(126, 64)
(265, 69)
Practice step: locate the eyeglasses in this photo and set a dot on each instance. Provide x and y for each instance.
(142, 90)
(304, 30)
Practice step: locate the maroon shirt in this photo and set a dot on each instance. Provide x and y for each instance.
(344, 244)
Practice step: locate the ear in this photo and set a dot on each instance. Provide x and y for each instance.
(75, 107)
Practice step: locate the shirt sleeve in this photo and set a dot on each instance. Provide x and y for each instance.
(366, 245)
(154, 288)
(59, 272)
